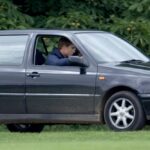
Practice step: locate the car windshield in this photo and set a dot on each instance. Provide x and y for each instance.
(105, 47)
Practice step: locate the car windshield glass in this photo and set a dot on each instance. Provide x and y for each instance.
(105, 47)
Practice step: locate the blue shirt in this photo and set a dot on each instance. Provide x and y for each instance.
(57, 59)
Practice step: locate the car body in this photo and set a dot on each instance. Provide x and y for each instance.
(42, 94)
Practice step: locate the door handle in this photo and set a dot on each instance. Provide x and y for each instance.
(33, 75)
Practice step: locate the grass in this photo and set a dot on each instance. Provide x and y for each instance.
(77, 137)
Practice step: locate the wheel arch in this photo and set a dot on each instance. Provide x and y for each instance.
(112, 91)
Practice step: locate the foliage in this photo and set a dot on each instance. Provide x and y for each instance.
(126, 18)
(73, 20)
(11, 18)
(140, 9)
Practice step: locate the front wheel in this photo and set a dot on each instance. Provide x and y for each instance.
(25, 127)
(123, 112)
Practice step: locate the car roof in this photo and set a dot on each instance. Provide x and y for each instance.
(45, 31)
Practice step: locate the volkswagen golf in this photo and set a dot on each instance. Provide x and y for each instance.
(109, 81)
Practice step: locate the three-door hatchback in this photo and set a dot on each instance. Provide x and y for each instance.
(108, 81)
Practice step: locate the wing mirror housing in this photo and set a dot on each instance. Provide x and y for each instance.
(78, 61)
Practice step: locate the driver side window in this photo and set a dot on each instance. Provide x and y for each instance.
(44, 46)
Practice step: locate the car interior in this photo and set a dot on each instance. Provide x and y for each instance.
(44, 45)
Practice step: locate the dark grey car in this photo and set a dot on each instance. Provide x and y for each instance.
(110, 85)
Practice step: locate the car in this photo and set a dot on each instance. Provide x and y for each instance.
(111, 85)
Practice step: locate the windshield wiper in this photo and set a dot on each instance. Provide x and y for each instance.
(133, 61)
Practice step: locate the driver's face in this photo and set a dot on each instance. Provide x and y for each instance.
(69, 50)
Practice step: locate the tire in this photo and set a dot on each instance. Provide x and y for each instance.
(25, 127)
(123, 112)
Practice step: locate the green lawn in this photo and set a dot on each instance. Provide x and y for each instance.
(75, 138)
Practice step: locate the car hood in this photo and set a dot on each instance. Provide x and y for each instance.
(131, 68)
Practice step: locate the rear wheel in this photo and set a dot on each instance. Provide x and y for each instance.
(123, 112)
(25, 127)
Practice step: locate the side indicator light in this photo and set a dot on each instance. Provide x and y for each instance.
(102, 78)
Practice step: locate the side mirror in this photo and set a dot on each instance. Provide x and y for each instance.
(78, 61)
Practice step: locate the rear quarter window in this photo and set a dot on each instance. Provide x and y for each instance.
(12, 49)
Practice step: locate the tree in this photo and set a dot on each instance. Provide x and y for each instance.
(11, 18)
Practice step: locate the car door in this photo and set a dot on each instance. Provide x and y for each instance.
(60, 89)
(12, 74)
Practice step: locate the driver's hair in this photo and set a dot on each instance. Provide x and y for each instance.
(64, 42)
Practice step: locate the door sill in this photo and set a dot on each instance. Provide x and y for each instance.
(50, 118)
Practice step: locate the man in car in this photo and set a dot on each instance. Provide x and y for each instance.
(59, 56)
